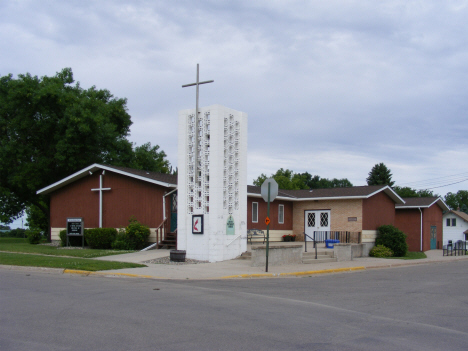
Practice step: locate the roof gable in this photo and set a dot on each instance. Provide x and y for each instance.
(422, 202)
(165, 180)
(460, 214)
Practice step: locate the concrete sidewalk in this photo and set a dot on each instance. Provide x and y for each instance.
(239, 268)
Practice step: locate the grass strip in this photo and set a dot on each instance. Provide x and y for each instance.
(18, 259)
(415, 255)
(22, 245)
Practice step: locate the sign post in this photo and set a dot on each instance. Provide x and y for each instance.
(269, 191)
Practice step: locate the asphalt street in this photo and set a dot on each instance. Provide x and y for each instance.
(407, 308)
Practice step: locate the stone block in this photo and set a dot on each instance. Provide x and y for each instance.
(277, 255)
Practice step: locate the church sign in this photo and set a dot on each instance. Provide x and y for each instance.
(75, 227)
(197, 224)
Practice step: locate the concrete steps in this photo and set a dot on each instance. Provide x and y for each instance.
(245, 256)
(307, 257)
(322, 257)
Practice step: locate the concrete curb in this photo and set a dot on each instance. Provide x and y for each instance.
(108, 274)
(296, 274)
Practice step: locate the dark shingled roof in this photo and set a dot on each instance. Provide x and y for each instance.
(423, 202)
(331, 193)
(161, 177)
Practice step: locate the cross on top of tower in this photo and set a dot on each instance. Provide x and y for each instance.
(197, 84)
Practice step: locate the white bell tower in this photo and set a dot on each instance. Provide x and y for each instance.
(212, 183)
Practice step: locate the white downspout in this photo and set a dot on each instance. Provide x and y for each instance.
(421, 230)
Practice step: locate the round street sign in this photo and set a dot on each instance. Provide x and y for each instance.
(267, 221)
(273, 189)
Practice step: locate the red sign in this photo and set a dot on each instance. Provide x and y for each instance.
(267, 221)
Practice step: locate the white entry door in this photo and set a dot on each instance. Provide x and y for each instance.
(318, 220)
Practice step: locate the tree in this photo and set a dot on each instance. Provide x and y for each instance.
(149, 158)
(380, 175)
(410, 192)
(456, 201)
(50, 128)
(36, 219)
(316, 182)
(287, 179)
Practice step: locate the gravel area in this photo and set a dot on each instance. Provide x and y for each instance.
(167, 260)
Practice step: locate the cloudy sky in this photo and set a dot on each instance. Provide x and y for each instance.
(330, 87)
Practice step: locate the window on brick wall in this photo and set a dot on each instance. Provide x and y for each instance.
(280, 214)
(254, 212)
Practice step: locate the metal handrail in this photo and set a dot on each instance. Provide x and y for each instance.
(305, 243)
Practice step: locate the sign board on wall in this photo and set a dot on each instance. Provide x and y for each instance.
(230, 229)
(197, 224)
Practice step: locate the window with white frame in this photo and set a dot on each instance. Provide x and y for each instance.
(280, 214)
(254, 212)
(451, 222)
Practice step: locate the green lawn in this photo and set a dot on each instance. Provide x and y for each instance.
(22, 245)
(416, 255)
(84, 264)
(21, 253)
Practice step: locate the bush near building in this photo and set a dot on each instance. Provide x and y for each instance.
(393, 238)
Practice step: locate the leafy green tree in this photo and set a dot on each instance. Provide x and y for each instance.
(455, 201)
(150, 159)
(410, 192)
(287, 179)
(380, 175)
(36, 219)
(316, 182)
(50, 128)
(260, 179)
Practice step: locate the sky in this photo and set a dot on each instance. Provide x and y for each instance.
(330, 87)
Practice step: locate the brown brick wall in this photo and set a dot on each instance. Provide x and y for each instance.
(262, 213)
(340, 210)
(127, 197)
(378, 210)
(409, 221)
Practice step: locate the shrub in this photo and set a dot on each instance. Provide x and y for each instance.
(134, 237)
(120, 242)
(100, 238)
(393, 238)
(73, 240)
(34, 236)
(380, 251)
(16, 233)
(137, 234)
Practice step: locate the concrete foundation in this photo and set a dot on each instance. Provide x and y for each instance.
(346, 252)
(277, 255)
